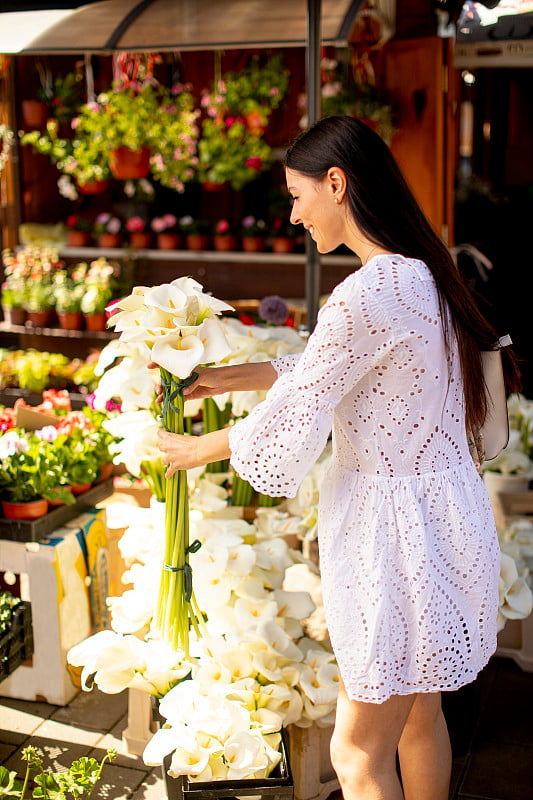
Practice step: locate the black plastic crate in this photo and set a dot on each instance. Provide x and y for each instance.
(16, 644)
(32, 530)
(278, 786)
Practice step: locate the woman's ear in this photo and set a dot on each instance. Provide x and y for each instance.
(336, 183)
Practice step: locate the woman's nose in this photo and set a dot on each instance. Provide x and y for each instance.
(294, 219)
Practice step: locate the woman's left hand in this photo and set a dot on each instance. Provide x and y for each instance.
(178, 451)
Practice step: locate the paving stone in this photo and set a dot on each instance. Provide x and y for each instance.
(6, 750)
(499, 772)
(56, 755)
(152, 788)
(59, 731)
(94, 710)
(17, 721)
(124, 758)
(118, 782)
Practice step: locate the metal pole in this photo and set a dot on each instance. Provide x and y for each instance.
(312, 269)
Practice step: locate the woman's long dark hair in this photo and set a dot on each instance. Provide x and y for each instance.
(386, 211)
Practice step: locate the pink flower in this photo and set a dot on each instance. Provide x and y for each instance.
(135, 225)
(74, 123)
(223, 226)
(254, 163)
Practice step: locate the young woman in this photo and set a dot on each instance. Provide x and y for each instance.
(408, 548)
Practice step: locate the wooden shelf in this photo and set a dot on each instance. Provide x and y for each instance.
(60, 333)
(235, 256)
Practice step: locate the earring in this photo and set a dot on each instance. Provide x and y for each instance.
(336, 199)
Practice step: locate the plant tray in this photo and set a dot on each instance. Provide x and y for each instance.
(16, 645)
(278, 786)
(35, 529)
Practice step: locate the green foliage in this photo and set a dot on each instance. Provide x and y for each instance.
(7, 601)
(75, 782)
(238, 108)
(32, 470)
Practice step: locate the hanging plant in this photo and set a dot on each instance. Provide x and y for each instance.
(238, 108)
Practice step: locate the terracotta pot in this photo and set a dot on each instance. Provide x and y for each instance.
(38, 319)
(109, 240)
(31, 510)
(77, 238)
(95, 322)
(168, 241)
(70, 320)
(253, 244)
(15, 315)
(282, 244)
(93, 187)
(34, 114)
(225, 243)
(79, 488)
(197, 241)
(209, 186)
(141, 240)
(125, 163)
(105, 472)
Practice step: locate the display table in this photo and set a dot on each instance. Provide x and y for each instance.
(64, 577)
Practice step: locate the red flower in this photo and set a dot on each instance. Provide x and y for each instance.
(289, 322)
(246, 319)
(254, 163)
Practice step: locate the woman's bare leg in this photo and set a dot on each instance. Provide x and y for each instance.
(364, 745)
(425, 752)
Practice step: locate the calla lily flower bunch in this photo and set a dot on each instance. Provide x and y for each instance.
(179, 324)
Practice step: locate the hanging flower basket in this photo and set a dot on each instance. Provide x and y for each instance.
(34, 114)
(125, 163)
(93, 187)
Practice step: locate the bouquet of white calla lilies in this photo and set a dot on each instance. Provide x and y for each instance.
(179, 323)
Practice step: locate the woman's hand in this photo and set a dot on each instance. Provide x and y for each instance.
(186, 452)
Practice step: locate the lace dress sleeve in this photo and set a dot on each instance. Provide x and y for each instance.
(279, 441)
(286, 363)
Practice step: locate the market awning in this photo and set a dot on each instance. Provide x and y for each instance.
(160, 25)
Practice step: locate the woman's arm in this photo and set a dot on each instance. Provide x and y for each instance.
(233, 378)
(186, 452)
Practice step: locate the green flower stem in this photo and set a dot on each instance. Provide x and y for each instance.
(154, 475)
(266, 501)
(213, 420)
(242, 492)
(175, 613)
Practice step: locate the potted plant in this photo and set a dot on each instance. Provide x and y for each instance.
(283, 235)
(15, 287)
(43, 264)
(140, 237)
(253, 234)
(122, 120)
(83, 157)
(237, 111)
(224, 236)
(195, 231)
(6, 139)
(167, 231)
(68, 295)
(99, 281)
(175, 131)
(107, 229)
(79, 230)
(31, 474)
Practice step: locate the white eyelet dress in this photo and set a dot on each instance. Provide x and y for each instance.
(409, 555)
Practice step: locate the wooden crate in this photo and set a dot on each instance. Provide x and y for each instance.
(313, 775)
(516, 641)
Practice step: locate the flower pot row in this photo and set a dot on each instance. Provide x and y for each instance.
(67, 320)
(34, 509)
(191, 241)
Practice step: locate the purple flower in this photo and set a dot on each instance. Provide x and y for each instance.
(273, 309)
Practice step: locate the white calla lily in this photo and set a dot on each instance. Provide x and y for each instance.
(245, 755)
(277, 640)
(163, 742)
